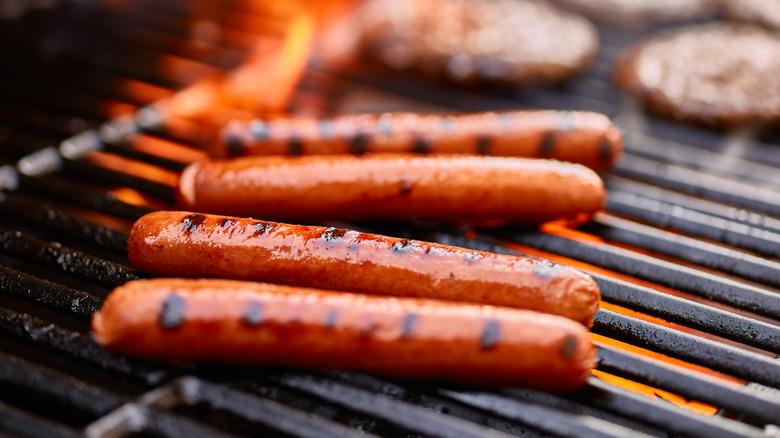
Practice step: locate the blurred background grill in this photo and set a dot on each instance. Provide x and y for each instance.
(686, 252)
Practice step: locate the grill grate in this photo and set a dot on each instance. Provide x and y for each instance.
(686, 254)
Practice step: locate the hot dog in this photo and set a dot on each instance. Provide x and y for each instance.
(256, 323)
(576, 136)
(461, 189)
(184, 244)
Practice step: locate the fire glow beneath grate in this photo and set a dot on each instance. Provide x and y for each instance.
(667, 339)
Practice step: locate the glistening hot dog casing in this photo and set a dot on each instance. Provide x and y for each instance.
(254, 323)
(188, 244)
(452, 189)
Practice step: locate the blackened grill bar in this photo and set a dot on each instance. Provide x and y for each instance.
(74, 207)
(741, 264)
(748, 196)
(740, 295)
(703, 213)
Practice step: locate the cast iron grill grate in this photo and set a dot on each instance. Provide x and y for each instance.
(686, 255)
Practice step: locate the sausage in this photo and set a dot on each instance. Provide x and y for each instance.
(255, 323)
(183, 244)
(580, 137)
(459, 189)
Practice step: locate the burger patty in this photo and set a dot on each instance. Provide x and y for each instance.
(520, 42)
(765, 12)
(720, 75)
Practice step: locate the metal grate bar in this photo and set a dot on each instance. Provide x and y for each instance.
(740, 143)
(133, 420)
(128, 152)
(64, 189)
(677, 421)
(720, 357)
(90, 172)
(664, 214)
(686, 203)
(66, 259)
(59, 340)
(693, 386)
(700, 183)
(19, 423)
(676, 152)
(269, 413)
(71, 398)
(550, 420)
(708, 255)
(378, 405)
(29, 210)
(429, 396)
(723, 290)
(690, 314)
(71, 302)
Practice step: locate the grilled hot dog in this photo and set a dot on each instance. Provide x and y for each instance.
(462, 189)
(256, 323)
(576, 136)
(197, 245)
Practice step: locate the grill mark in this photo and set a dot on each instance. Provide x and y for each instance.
(331, 318)
(263, 228)
(234, 145)
(368, 325)
(491, 333)
(294, 147)
(484, 144)
(224, 223)
(259, 130)
(253, 314)
(568, 346)
(421, 145)
(402, 246)
(332, 233)
(406, 187)
(358, 144)
(547, 145)
(407, 325)
(605, 148)
(473, 257)
(172, 312)
(192, 222)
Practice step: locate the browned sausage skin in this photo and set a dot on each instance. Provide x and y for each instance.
(577, 136)
(197, 245)
(460, 189)
(255, 323)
